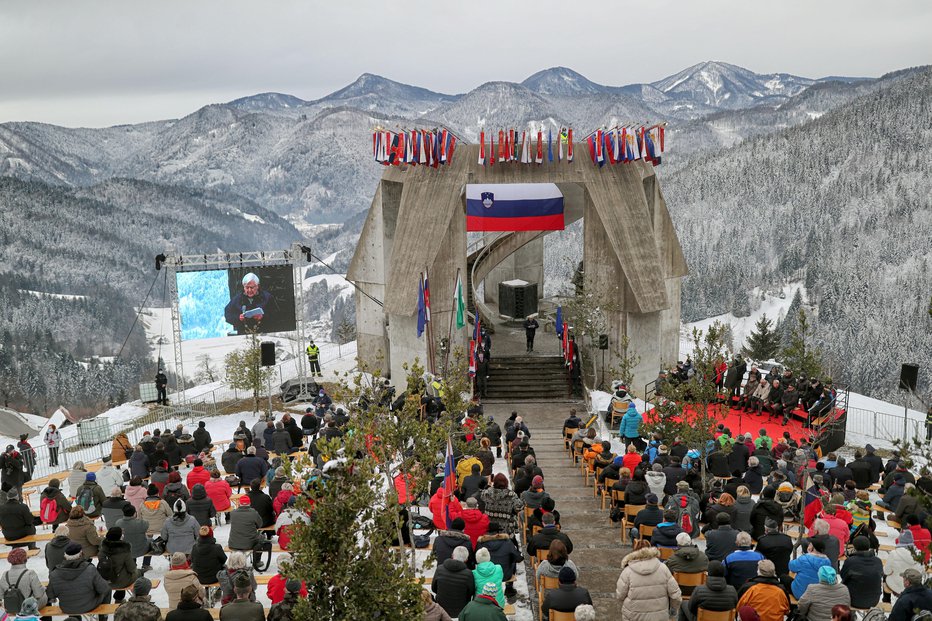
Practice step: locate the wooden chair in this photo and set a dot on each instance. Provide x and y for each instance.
(587, 466)
(539, 557)
(631, 512)
(578, 447)
(618, 412)
(607, 491)
(689, 580)
(536, 529)
(713, 615)
(556, 615)
(666, 552)
(547, 582)
(567, 437)
(646, 532)
(595, 480)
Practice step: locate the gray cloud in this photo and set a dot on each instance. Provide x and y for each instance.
(100, 62)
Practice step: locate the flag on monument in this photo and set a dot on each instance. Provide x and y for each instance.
(459, 304)
(540, 147)
(549, 145)
(514, 207)
(569, 146)
(481, 148)
(426, 296)
(421, 308)
(492, 150)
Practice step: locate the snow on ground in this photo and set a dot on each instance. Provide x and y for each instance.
(57, 296)
(774, 306)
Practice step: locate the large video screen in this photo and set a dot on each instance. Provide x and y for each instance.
(238, 300)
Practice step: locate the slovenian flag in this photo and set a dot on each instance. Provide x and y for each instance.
(514, 207)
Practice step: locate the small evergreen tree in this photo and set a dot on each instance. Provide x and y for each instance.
(763, 343)
(801, 355)
(244, 370)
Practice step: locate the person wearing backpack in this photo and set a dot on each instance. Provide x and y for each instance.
(54, 506)
(181, 531)
(115, 563)
(20, 582)
(16, 520)
(113, 506)
(81, 530)
(90, 496)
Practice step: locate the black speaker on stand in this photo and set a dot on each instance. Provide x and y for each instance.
(909, 377)
(268, 353)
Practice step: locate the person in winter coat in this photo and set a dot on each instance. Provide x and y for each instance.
(715, 595)
(488, 572)
(198, 474)
(251, 467)
(687, 559)
(154, 510)
(76, 478)
(236, 567)
(743, 507)
(533, 497)
(52, 440)
(629, 427)
(807, 567)
(139, 464)
(118, 554)
(501, 504)
(646, 587)
(76, 584)
(230, 458)
(109, 476)
(776, 546)
(449, 539)
(172, 450)
(900, 559)
(766, 508)
(636, 490)
(656, 480)
(477, 522)
(722, 541)
(277, 586)
(817, 602)
(281, 440)
(279, 479)
(139, 607)
(567, 597)
(207, 556)
(16, 519)
(741, 565)
(862, 573)
(432, 610)
(190, 608)
(55, 549)
(483, 607)
(23, 578)
(178, 577)
(134, 533)
(201, 437)
(666, 531)
(915, 596)
(244, 525)
(113, 506)
(549, 532)
(81, 530)
(174, 489)
(453, 583)
(557, 559)
(186, 444)
(136, 492)
(219, 492)
(90, 496)
(281, 500)
(200, 507)
(262, 503)
(181, 531)
(504, 554)
(158, 456)
(765, 594)
(11, 468)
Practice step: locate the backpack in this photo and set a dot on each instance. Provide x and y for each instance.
(105, 568)
(48, 510)
(13, 598)
(85, 499)
(683, 517)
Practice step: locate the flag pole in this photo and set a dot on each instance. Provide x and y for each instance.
(453, 311)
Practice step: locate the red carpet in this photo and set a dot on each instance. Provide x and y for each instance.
(742, 422)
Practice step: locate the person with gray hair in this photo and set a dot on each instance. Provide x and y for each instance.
(741, 565)
(453, 584)
(584, 612)
(246, 310)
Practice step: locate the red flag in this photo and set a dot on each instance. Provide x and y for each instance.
(569, 146)
(540, 147)
(492, 150)
(481, 148)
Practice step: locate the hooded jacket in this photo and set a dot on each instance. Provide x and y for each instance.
(665, 534)
(201, 438)
(263, 505)
(98, 494)
(503, 552)
(135, 495)
(806, 568)
(630, 423)
(656, 481)
(109, 477)
(177, 579)
(489, 572)
(200, 506)
(112, 510)
(219, 492)
(764, 509)
(862, 573)
(207, 559)
(477, 524)
(447, 540)
(138, 608)
(453, 585)
(180, 532)
(777, 548)
(155, 511)
(55, 551)
(720, 542)
(230, 459)
(646, 587)
(564, 598)
(688, 560)
(817, 602)
(197, 475)
(716, 595)
(765, 595)
(83, 531)
(743, 507)
(64, 507)
(77, 586)
(244, 525)
(123, 563)
(76, 478)
(134, 533)
(139, 465)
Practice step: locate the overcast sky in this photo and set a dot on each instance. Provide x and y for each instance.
(100, 62)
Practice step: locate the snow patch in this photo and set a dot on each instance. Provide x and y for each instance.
(57, 296)
(253, 218)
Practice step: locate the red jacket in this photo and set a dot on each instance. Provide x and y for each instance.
(921, 539)
(477, 524)
(197, 475)
(276, 588)
(631, 461)
(403, 487)
(281, 501)
(219, 492)
(456, 510)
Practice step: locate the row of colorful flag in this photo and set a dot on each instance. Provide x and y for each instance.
(520, 147)
(418, 146)
(624, 144)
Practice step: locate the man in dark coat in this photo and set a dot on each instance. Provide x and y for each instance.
(530, 329)
(721, 541)
(247, 309)
(767, 508)
(565, 598)
(448, 540)
(251, 467)
(862, 573)
(875, 461)
(453, 583)
(482, 373)
(261, 502)
(546, 536)
(914, 597)
(202, 437)
(716, 595)
(161, 388)
(11, 468)
(16, 519)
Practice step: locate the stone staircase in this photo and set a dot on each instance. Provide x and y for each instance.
(527, 378)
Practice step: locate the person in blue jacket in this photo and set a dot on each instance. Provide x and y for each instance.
(807, 567)
(628, 428)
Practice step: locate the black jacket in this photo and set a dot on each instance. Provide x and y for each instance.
(447, 540)
(503, 552)
(564, 599)
(840, 474)
(666, 535)
(776, 547)
(738, 458)
(543, 539)
(201, 439)
(207, 559)
(913, 598)
(715, 594)
(122, 562)
(188, 612)
(674, 475)
(861, 472)
(453, 585)
(876, 464)
(16, 520)
(764, 509)
(717, 464)
(262, 503)
(754, 479)
(200, 506)
(862, 573)
(720, 542)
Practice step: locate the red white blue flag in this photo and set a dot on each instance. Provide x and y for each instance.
(514, 207)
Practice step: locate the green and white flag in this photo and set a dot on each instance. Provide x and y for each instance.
(459, 304)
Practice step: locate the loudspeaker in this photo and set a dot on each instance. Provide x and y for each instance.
(909, 377)
(268, 353)
(603, 341)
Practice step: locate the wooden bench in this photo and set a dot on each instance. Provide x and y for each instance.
(29, 554)
(28, 539)
(275, 548)
(56, 611)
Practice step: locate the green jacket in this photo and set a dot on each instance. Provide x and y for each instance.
(482, 609)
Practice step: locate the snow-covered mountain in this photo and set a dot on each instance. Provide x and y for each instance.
(383, 96)
(562, 81)
(268, 102)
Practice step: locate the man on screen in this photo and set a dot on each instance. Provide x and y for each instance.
(246, 310)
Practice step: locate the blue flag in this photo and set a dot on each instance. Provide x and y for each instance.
(550, 145)
(559, 326)
(421, 308)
